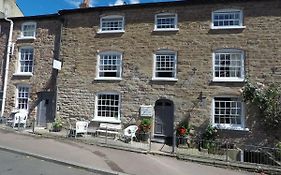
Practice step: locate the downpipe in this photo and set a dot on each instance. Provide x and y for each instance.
(7, 65)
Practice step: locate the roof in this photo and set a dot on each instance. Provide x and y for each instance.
(155, 4)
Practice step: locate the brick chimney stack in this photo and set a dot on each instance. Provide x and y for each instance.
(85, 4)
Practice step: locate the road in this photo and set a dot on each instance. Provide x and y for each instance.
(108, 159)
(15, 164)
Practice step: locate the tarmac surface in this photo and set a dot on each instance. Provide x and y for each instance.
(101, 159)
(18, 164)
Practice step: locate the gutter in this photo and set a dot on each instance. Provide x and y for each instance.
(7, 65)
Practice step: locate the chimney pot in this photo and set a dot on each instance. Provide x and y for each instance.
(85, 4)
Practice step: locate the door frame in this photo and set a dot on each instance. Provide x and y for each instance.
(154, 117)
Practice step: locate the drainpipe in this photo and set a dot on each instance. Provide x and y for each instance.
(7, 65)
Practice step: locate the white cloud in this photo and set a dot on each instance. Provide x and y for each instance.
(134, 1)
(74, 3)
(119, 2)
(92, 3)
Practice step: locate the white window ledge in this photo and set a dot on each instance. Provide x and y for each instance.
(26, 38)
(164, 79)
(227, 27)
(106, 119)
(23, 74)
(230, 127)
(111, 31)
(108, 78)
(227, 80)
(166, 30)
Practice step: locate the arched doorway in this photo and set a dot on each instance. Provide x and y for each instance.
(164, 119)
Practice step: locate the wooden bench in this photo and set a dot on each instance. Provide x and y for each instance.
(109, 129)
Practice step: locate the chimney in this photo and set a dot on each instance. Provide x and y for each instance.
(85, 4)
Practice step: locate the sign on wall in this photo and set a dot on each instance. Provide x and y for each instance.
(146, 111)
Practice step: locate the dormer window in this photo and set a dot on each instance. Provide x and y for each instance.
(28, 30)
(112, 24)
(227, 19)
(166, 22)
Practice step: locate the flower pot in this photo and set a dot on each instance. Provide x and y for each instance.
(57, 129)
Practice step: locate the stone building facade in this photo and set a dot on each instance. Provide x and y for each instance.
(172, 61)
(174, 57)
(31, 80)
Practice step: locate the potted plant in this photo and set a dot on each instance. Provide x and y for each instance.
(144, 129)
(182, 133)
(57, 125)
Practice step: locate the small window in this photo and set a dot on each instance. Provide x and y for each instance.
(107, 107)
(28, 30)
(165, 65)
(228, 112)
(109, 65)
(166, 21)
(228, 65)
(112, 24)
(22, 97)
(25, 60)
(228, 18)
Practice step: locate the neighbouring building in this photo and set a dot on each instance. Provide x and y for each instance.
(31, 79)
(9, 8)
(173, 61)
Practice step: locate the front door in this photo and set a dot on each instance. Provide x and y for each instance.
(164, 118)
(42, 113)
(46, 108)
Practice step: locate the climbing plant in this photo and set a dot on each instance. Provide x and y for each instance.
(268, 101)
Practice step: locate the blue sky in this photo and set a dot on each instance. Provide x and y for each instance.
(40, 7)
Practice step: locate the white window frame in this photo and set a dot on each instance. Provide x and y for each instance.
(112, 17)
(230, 126)
(163, 52)
(242, 69)
(22, 30)
(157, 16)
(107, 119)
(98, 77)
(18, 71)
(17, 96)
(228, 11)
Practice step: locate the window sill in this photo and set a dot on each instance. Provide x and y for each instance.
(111, 31)
(23, 74)
(218, 80)
(166, 30)
(229, 127)
(110, 120)
(26, 38)
(108, 79)
(164, 79)
(227, 27)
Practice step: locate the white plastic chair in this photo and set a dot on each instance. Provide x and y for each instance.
(81, 127)
(18, 118)
(130, 132)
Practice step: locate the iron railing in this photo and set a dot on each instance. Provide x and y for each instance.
(226, 151)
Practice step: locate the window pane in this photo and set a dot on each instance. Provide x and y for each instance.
(26, 60)
(166, 21)
(108, 105)
(110, 65)
(227, 111)
(228, 18)
(28, 30)
(22, 97)
(165, 65)
(111, 24)
(228, 64)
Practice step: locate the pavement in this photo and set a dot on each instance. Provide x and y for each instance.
(103, 160)
(15, 164)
